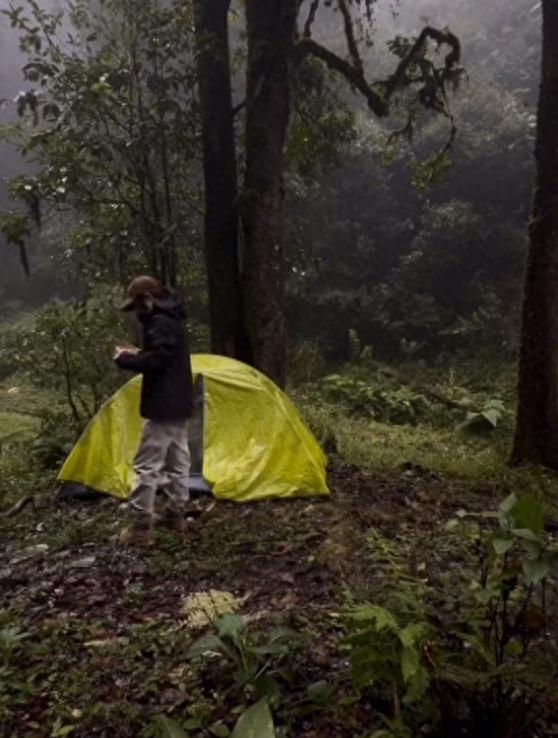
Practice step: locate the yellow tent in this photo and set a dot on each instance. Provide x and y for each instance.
(250, 441)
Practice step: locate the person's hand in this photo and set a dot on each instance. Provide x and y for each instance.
(122, 350)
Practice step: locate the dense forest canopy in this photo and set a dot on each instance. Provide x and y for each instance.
(372, 244)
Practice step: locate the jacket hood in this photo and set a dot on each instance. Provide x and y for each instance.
(169, 303)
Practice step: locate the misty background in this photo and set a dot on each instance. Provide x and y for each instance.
(368, 248)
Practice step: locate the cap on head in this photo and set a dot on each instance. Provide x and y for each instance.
(140, 287)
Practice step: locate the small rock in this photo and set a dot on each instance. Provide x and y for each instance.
(30, 552)
(84, 563)
(288, 578)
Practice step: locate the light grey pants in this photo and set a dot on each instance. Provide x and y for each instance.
(162, 463)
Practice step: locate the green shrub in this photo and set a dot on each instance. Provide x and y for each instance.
(397, 405)
(306, 362)
(385, 654)
(472, 660)
(69, 349)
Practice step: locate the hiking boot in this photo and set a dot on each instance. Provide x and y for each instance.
(139, 533)
(172, 520)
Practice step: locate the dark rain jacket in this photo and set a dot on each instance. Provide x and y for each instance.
(164, 361)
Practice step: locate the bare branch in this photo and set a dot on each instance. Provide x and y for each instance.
(378, 95)
(350, 35)
(400, 77)
(308, 47)
(315, 4)
(238, 108)
(407, 131)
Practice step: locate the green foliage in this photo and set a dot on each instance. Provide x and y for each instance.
(397, 405)
(16, 229)
(164, 727)
(16, 428)
(11, 638)
(486, 419)
(497, 618)
(260, 666)
(255, 657)
(111, 124)
(466, 660)
(427, 173)
(256, 722)
(323, 124)
(441, 273)
(12, 688)
(68, 349)
(385, 654)
(519, 559)
(306, 362)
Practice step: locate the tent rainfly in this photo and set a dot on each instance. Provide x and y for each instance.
(247, 439)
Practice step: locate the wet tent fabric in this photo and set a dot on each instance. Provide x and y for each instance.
(255, 445)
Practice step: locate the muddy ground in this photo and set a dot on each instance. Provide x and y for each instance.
(105, 627)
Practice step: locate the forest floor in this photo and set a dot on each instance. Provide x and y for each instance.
(101, 632)
(94, 638)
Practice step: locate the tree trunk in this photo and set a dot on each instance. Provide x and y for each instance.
(228, 333)
(536, 437)
(270, 28)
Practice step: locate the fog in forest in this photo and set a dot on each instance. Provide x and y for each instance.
(494, 112)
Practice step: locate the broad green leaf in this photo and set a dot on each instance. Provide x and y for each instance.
(219, 730)
(256, 722)
(381, 618)
(319, 692)
(267, 688)
(270, 649)
(280, 634)
(230, 625)
(168, 728)
(508, 504)
(64, 731)
(532, 548)
(502, 545)
(205, 645)
(536, 570)
(526, 534)
(528, 513)
(492, 417)
(491, 515)
(193, 724)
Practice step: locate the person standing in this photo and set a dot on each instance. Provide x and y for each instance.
(162, 462)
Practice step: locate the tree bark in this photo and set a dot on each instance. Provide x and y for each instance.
(228, 334)
(271, 29)
(536, 436)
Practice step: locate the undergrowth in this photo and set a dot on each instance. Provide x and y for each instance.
(366, 416)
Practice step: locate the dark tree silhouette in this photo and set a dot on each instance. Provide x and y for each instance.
(271, 33)
(228, 333)
(275, 51)
(246, 293)
(536, 436)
